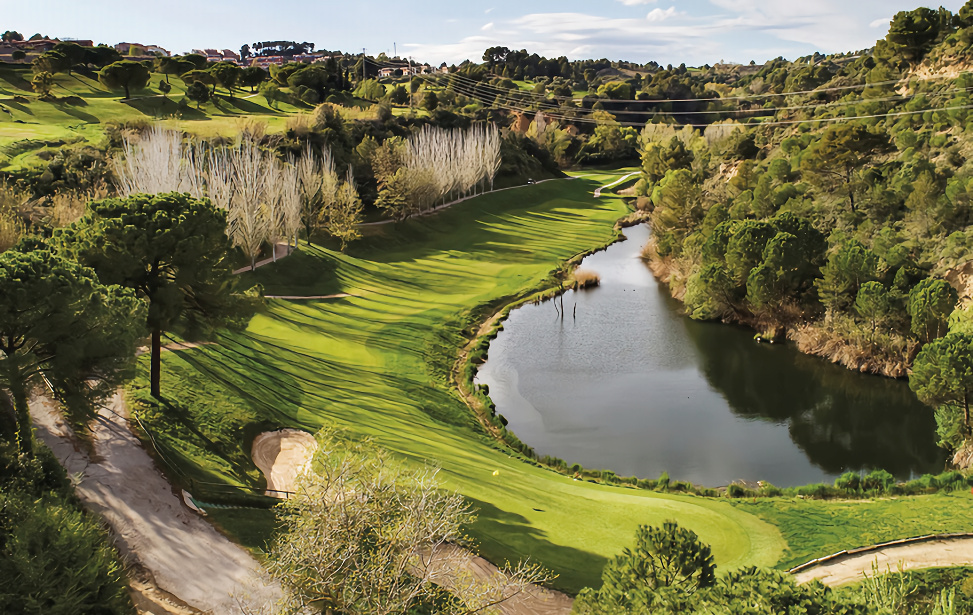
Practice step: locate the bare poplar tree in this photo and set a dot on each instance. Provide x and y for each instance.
(156, 162)
(318, 186)
(251, 219)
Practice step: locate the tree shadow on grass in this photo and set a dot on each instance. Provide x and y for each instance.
(505, 536)
(73, 111)
(16, 81)
(164, 107)
(246, 106)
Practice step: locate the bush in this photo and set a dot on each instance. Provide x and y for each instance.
(663, 483)
(768, 490)
(819, 490)
(736, 491)
(849, 481)
(878, 480)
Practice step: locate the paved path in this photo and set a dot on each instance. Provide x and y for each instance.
(927, 554)
(439, 208)
(615, 183)
(185, 555)
(307, 297)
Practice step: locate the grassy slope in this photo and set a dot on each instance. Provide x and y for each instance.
(814, 528)
(376, 365)
(61, 122)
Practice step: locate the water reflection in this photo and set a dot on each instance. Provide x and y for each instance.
(633, 386)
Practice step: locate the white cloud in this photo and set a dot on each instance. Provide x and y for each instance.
(881, 22)
(661, 15)
(487, 27)
(699, 33)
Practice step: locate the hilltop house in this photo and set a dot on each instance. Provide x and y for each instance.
(138, 49)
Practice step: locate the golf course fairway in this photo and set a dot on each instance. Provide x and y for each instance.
(376, 364)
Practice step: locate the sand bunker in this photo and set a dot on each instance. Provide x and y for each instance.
(282, 456)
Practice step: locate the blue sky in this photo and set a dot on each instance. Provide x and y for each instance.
(668, 31)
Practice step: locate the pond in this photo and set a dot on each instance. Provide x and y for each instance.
(626, 382)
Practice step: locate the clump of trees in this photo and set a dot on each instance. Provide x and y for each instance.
(61, 328)
(435, 165)
(266, 199)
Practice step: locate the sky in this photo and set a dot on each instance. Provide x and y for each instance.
(696, 32)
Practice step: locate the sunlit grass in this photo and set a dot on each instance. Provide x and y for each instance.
(376, 364)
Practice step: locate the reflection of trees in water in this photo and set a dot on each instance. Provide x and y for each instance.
(840, 419)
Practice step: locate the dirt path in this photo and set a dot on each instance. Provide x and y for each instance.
(183, 555)
(280, 251)
(283, 455)
(926, 554)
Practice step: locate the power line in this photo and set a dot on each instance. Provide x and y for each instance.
(755, 124)
(543, 97)
(466, 87)
(899, 98)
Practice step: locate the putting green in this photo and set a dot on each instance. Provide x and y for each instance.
(376, 364)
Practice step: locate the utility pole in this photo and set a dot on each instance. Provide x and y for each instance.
(409, 86)
(395, 50)
(363, 64)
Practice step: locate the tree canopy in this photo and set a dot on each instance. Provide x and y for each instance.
(126, 75)
(60, 326)
(173, 251)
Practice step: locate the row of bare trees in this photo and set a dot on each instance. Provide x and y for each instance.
(437, 165)
(267, 200)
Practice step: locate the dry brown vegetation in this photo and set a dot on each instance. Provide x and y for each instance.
(585, 279)
(844, 342)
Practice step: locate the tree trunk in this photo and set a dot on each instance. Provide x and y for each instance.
(127, 95)
(155, 371)
(25, 437)
(966, 407)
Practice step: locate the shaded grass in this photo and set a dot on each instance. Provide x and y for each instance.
(377, 365)
(814, 528)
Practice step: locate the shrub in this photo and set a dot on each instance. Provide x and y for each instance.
(768, 490)
(736, 491)
(878, 480)
(849, 481)
(663, 483)
(818, 490)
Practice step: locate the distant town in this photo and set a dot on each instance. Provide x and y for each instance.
(264, 55)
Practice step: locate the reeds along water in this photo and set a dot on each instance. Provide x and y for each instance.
(584, 278)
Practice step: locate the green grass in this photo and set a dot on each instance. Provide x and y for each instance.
(82, 107)
(377, 365)
(814, 528)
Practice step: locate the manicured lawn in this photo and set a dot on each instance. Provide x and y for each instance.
(376, 365)
(814, 528)
(83, 106)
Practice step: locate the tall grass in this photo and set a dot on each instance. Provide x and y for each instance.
(584, 278)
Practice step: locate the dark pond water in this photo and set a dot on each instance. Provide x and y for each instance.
(633, 386)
